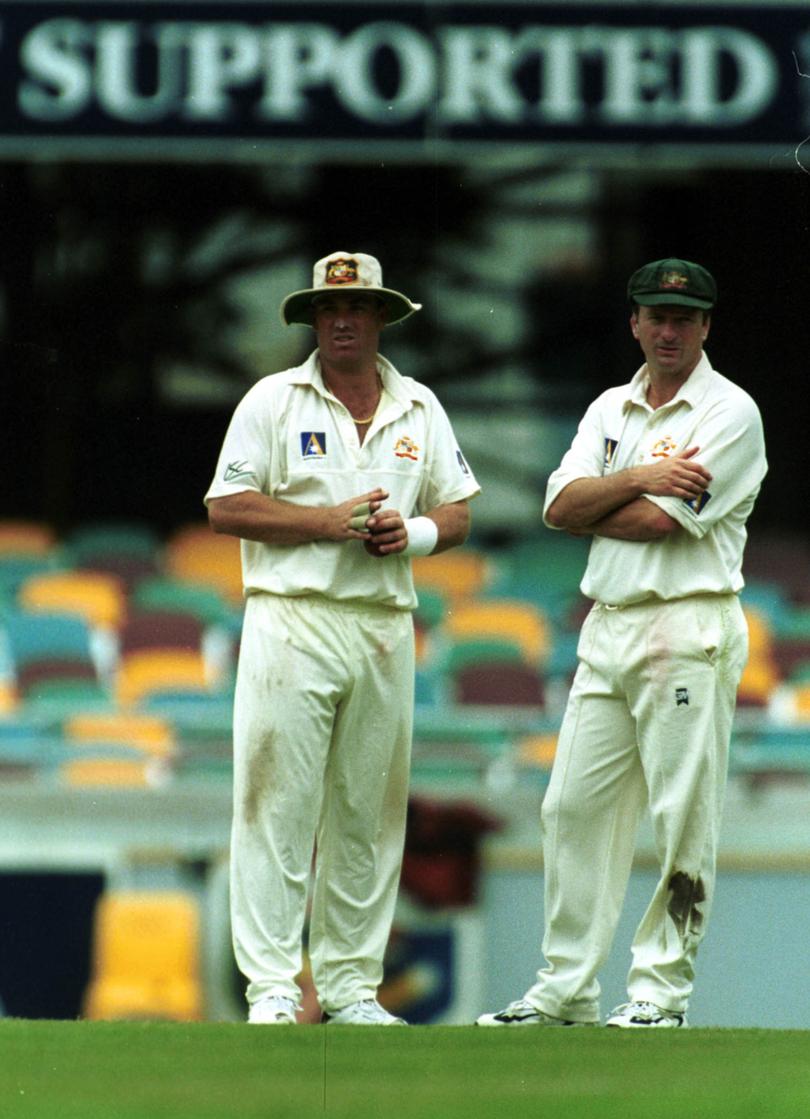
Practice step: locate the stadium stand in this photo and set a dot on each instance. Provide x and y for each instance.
(117, 678)
(146, 957)
(496, 628)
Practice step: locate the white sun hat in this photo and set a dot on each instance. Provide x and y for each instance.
(346, 272)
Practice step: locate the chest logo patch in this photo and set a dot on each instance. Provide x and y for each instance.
(313, 444)
(610, 450)
(406, 448)
(663, 448)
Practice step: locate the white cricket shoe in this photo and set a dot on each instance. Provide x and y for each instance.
(273, 1010)
(367, 1012)
(522, 1013)
(641, 1015)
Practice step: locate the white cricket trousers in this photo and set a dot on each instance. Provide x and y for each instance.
(323, 719)
(648, 723)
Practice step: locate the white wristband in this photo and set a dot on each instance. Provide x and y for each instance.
(422, 536)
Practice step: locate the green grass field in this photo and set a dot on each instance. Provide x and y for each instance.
(81, 1070)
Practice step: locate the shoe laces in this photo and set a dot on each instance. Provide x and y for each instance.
(650, 1009)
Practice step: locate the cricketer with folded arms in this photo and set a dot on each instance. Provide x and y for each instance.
(662, 475)
(333, 474)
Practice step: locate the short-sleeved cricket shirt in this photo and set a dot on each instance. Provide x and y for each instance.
(292, 440)
(620, 430)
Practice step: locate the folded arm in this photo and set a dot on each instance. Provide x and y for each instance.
(615, 505)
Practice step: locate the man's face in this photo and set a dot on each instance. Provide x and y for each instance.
(671, 338)
(348, 327)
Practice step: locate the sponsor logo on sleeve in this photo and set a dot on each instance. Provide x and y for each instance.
(313, 444)
(698, 504)
(462, 463)
(238, 471)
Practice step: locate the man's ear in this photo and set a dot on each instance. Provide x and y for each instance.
(634, 325)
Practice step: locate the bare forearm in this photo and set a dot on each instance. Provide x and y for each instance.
(586, 501)
(638, 520)
(254, 516)
(453, 523)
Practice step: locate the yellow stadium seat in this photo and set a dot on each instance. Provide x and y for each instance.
(146, 957)
(130, 773)
(8, 697)
(801, 702)
(760, 636)
(98, 597)
(508, 618)
(198, 555)
(538, 750)
(457, 574)
(149, 733)
(759, 679)
(152, 671)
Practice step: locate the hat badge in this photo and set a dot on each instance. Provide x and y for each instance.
(341, 271)
(673, 280)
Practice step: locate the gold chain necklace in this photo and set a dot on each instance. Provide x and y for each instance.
(362, 423)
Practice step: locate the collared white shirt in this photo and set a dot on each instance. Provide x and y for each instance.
(291, 439)
(620, 430)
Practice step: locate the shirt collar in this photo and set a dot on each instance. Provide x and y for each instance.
(690, 392)
(393, 382)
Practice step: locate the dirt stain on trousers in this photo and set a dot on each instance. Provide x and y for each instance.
(685, 897)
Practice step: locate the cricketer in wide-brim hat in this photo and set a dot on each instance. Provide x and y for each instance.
(341, 273)
(673, 281)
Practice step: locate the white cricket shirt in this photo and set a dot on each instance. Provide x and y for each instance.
(620, 430)
(291, 439)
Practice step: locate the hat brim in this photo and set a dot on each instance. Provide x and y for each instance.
(297, 308)
(660, 298)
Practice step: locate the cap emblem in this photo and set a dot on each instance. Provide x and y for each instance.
(341, 271)
(673, 281)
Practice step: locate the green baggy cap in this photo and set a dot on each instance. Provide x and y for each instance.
(672, 281)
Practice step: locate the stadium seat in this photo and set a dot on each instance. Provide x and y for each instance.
(146, 957)
(148, 733)
(480, 650)
(759, 679)
(110, 771)
(198, 555)
(499, 685)
(202, 602)
(97, 597)
(34, 636)
(30, 538)
(456, 574)
(37, 676)
(508, 619)
(151, 671)
(537, 750)
(160, 629)
(90, 542)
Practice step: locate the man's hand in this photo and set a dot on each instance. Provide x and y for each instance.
(342, 522)
(388, 534)
(676, 476)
